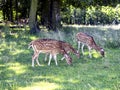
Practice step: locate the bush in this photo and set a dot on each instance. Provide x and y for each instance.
(91, 15)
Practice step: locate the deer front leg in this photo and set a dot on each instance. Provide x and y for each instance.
(82, 48)
(90, 55)
(68, 58)
(46, 55)
(78, 45)
(55, 58)
(50, 57)
(62, 58)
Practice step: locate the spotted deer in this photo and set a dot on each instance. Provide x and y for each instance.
(85, 39)
(48, 46)
(68, 48)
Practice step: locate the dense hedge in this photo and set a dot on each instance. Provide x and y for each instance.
(91, 15)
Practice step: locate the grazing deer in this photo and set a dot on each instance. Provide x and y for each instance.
(88, 40)
(50, 46)
(68, 48)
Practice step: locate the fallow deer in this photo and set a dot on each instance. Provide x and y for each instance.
(50, 46)
(88, 40)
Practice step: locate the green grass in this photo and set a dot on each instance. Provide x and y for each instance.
(16, 72)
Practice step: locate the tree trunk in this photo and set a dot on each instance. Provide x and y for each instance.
(55, 18)
(51, 14)
(32, 17)
(8, 12)
(16, 6)
(11, 11)
(45, 15)
(4, 10)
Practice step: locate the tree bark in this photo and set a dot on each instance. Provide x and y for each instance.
(11, 11)
(55, 19)
(45, 8)
(32, 17)
(51, 14)
(16, 6)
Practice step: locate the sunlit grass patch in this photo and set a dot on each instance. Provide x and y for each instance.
(17, 68)
(17, 51)
(3, 45)
(94, 54)
(41, 86)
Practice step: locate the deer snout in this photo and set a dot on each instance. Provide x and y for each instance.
(102, 52)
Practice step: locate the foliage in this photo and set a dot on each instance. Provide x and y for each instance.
(1, 17)
(92, 15)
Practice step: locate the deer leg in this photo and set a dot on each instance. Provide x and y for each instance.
(50, 57)
(55, 58)
(37, 60)
(46, 56)
(78, 45)
(33, 58)
(90, 52)
(68, 58)
(62, 58)
(82, 48)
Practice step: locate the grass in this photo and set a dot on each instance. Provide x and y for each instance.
(16, 72)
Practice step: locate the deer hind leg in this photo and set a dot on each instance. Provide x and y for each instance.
(37, 60)
(90, 55)
(35, 56)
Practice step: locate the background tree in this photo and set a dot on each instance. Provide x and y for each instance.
(7, 10)
(50, 16)
(32, 17)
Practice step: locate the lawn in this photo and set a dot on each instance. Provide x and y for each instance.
(97, 73)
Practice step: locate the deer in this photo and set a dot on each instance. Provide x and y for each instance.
(68, 48)
(85, 39)
(48, 46)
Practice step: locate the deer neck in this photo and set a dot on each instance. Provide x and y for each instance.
(97, 48)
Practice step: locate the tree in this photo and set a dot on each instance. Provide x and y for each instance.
(55, 14)
(32, 17)
(7, 9)
(50, 16)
